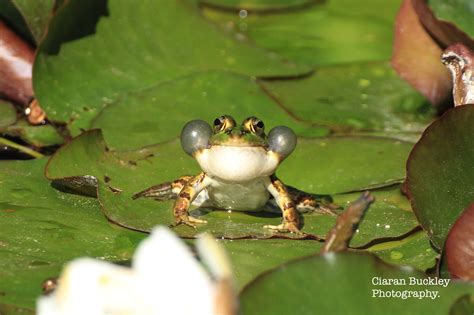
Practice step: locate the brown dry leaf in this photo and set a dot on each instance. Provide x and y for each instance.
(339, 236)
(459, 248)
(416, 57)
(16, 62)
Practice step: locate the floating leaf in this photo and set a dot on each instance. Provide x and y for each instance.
(367, 96)
(414, 250)
(7, 115)
(457, 12)
(416, 57)
(327, 33)
(440, 172)
(158, 50)
(41, 228)
(144, 116)
(39, 136)
(352, 280)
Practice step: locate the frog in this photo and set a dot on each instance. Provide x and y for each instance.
(238, 164)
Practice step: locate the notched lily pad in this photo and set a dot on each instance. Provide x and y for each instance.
(119, 175)
(157, 114)
(440, 172)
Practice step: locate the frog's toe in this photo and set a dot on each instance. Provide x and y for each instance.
(188, 220)
(285, 227)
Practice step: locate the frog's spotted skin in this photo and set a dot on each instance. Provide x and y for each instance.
(238, 163)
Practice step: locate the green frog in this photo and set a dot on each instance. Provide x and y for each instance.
(238, 165)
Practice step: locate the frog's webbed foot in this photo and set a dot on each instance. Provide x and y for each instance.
(305, 202)
(188, 220)
(285, 227)
(164, 191)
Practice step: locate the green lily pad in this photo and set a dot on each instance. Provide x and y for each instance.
(368, 96)
(386, 218)
(144, 116)
(257, 5)
(119, 175)
(328, 33)
(97, 70)
(302, 287)
(36, 15)
(7, 115)
(458, 12)
(440, 172)
(41, 228)
(341, 164)
(251, 257)
(415, 250)
(39, 136)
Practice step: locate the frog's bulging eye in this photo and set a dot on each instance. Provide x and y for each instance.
(195, 136)
(223, 123)
(281, 140)
(254, 125)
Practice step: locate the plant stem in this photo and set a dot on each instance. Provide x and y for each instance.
(20, 148)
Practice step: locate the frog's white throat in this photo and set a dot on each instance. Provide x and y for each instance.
(237, 164)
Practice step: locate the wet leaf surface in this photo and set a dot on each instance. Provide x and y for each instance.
(458, 12)
(144, 116)
(41, 228)
(440, 172)
(353, 97)
(130, 172)
(310, 279)
(414, 250)
(322, 34)
(154, 54)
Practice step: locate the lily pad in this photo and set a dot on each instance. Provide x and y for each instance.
(414, 250)
(385, 218)
(117, 176)
(334, 273)
(368, 96)
(257, 5)
(7, 115)
(328, 33)
(458, 12)
(144, 116)
(36, 15)
(41, 228)
(145, 54)
(342, 164)
(440, 172)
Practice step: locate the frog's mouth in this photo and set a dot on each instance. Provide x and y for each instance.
(238, 140)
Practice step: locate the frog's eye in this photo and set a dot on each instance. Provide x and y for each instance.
(281, 140)
(254, 125)
(195, 136)
(224, 122)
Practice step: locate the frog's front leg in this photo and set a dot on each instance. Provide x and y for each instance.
(186, 196)
(291, 220)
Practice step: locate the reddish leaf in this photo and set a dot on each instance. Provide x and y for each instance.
(416, 57)
(16, 62)
(459, 248)
(460, 61)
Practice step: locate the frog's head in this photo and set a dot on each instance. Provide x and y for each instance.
(237, 152)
